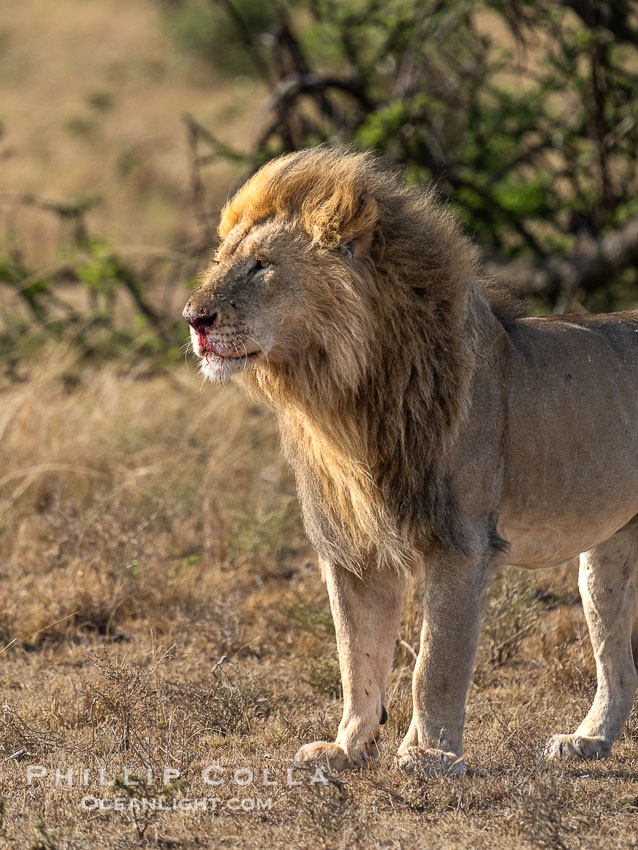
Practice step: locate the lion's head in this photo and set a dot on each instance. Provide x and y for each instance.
(289, 277)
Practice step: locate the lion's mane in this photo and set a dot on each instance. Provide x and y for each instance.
(371, 409)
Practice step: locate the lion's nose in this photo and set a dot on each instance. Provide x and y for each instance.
(199, 319)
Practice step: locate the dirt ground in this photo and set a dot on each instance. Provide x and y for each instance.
(160, 608)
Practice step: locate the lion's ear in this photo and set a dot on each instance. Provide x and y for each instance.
(345, 219)
(346, 249)
(357, 232)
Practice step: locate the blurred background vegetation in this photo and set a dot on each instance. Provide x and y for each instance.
(126, 124)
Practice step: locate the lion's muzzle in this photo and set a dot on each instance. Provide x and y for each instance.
(202, 318)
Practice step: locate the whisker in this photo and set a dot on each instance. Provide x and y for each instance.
(260, 346)
(245, 354)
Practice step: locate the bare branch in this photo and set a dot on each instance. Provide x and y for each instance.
(585, 268)
(294, 85)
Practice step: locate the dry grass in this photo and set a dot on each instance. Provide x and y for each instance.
(149, 528)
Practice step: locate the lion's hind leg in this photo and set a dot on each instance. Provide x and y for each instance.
(608, 583)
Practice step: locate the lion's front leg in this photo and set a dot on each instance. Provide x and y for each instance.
(452, 611)
(366, 617)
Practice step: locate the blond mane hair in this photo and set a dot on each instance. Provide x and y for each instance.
(369, 412)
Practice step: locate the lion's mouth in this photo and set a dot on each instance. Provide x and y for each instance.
(249, 355)
(208, 348)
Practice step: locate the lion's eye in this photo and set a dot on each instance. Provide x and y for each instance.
(260, 264)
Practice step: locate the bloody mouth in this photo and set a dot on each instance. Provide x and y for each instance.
(202, 339)
(209, 348)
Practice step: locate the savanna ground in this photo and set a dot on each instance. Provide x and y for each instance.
(159, 605)
(150, 528)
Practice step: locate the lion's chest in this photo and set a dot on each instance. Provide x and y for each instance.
(344, 514)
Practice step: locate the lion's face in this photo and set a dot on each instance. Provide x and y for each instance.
(265, 298)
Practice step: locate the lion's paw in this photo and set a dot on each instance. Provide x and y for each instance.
(428, 763)
(329, 755)
(576, 748)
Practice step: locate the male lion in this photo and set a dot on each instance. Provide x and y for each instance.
(426, 422)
